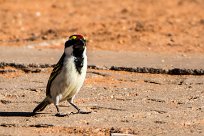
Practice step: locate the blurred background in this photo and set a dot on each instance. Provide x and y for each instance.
(175, 26)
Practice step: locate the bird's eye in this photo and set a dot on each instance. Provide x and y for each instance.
(84, 40)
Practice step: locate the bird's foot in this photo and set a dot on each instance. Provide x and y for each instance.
(83, 112)
(61, 114)
(80, 112)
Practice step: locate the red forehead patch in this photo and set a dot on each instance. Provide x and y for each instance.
(80, 36)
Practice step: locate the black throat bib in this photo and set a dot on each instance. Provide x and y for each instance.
(78, 60)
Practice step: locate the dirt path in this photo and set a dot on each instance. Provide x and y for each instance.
(122, 102)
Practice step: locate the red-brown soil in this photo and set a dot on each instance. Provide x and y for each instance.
(133, 25)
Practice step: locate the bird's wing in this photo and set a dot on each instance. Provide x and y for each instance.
(56, 70)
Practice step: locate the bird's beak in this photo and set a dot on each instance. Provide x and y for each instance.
(79, 46)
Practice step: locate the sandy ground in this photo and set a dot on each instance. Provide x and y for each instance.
(133, 33)
(121, 102)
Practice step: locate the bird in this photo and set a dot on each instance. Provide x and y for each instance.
(67, 76)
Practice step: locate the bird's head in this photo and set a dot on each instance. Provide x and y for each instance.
(75, 45)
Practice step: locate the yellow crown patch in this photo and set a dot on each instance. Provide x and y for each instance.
(73, 37)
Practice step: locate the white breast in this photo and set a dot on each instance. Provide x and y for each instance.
(69, 81)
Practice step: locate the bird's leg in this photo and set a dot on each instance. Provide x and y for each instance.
(59, 114)
(78, 109)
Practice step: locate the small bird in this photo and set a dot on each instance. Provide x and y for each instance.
(67, 76)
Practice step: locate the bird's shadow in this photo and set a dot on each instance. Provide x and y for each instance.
(16, 114)
(27, 114)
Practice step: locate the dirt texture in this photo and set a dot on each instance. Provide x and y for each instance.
(145, 66)
(121, 102)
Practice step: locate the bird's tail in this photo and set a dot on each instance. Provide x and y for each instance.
(42, 105)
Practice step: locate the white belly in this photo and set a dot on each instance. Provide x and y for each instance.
(68, 82)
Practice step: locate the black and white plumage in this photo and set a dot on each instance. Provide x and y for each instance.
(67, 76)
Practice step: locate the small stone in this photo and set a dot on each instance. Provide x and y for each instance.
(139, 26)
(37, 14)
